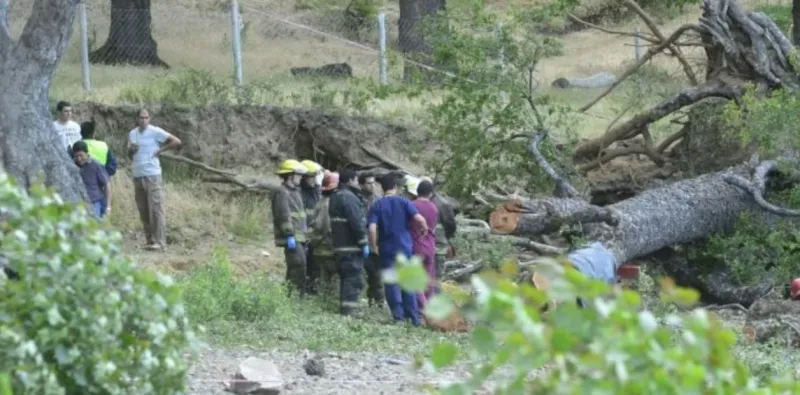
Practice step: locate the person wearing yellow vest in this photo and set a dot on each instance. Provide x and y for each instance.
(99, 151)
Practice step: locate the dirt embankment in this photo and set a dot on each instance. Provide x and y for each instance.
(255, 138)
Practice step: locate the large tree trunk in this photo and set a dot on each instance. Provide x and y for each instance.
(678, 213)
(421, 23)
(30, 147)
(130, 37)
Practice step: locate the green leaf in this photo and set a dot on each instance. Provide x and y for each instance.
(443, 355)
(411, 276)
(483, 340)
(439, 307)
(5, 384)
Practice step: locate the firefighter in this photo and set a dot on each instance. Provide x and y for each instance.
(349, 239)
(320, 239)
(445, 229)
(311, 194)
(290, 223)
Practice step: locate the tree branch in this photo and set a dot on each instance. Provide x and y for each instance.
(48, 30)
(647, 56)
(524, 217)
(758, 186)
(687, 68)
(614, 32)
(223, 175)
(563, 187)
(634, 126)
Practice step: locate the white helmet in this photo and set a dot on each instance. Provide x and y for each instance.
(412, 183)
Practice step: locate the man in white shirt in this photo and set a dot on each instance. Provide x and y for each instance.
(145, 143)
(68, 130)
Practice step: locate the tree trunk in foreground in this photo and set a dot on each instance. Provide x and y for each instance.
(130, 37)
(30, 147)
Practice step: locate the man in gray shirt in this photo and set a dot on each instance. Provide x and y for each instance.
(145, 143)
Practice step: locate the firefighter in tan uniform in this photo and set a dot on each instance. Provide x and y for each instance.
(320, 239)
(311, 194)
(290, 223)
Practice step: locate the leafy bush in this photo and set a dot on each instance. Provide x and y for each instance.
(212, 292)
(755, 251)
(610, 347)
(82, 320)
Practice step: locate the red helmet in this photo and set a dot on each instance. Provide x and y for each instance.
(796, 288)
(330, 181)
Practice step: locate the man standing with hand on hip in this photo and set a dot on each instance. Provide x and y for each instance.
(145, 143)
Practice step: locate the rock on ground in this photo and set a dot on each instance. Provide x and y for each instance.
(345, 373)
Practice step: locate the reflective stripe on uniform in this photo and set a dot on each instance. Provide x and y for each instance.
(349, 304)
(346, 249)
(98, 150)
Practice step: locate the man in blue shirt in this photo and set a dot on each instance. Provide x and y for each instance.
(389, 235)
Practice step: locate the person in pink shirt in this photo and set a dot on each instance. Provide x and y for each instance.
(425, 246)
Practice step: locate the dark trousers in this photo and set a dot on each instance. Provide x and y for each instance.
(372, 266)
(403, 305)
(351, 281)
(312, 270)
(296, 269)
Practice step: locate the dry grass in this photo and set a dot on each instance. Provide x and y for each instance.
(199, 219)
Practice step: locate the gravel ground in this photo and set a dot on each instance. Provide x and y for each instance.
(345, 373)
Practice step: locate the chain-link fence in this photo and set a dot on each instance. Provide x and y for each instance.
(110, 45)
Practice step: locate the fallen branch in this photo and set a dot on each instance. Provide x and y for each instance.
(223, 176)
(563, 187)
(534, 217)
(637, 124)
(673, 49)
(463, 274)
(757, 187)
(647, 56)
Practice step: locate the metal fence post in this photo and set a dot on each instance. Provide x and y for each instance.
(85, 77)
(236, 33)
(384, 67)
(502, 52)
(637, 45)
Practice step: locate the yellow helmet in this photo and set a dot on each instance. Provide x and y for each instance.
(311, 166)
(291, 166)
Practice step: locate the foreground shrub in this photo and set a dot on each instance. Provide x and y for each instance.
(73, 326)
(610, 347)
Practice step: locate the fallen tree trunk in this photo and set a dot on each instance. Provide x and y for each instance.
(677, 213)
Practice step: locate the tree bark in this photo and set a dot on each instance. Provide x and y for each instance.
(130, 37)
(419, 18)
(678, 213)
(796, 22)
(29, 145)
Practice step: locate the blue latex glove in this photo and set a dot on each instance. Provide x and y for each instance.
(366, 251)
(291, 243)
